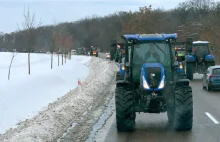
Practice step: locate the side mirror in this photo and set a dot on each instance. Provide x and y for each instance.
(176, 65)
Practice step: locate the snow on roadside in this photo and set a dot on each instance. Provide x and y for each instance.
(23, 96)
(51, 123)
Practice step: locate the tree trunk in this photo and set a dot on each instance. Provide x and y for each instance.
(62, 58)
(9, 70)
(29, 65)
(58, 59)
(51, 60)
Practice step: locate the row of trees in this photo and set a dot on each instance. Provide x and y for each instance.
(35, 38)
(196, 18)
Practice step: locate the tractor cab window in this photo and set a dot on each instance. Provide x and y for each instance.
(200, 50)
(152, 52)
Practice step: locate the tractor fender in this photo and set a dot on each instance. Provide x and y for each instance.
(121, 83)
(209, 58)
(182, 82)
(122, 69)
(190, 58)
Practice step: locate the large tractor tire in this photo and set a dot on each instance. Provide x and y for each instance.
(116, 59)
(118, 76)
(125, 114)
(207, 65)
(182, 115)
(189, 71)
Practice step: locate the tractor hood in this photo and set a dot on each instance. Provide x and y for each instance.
(152, 76)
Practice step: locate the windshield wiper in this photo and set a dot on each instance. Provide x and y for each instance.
(158, 47)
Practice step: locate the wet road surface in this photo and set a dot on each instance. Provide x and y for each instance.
(153, 127)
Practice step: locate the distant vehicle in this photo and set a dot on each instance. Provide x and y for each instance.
(73, 52)
(199, 58)
(211, 79)
(79, 51)
(93, 51)
(107, 55)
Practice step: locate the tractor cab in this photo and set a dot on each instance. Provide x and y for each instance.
(200, 48)
(151, 51)
(117, 51)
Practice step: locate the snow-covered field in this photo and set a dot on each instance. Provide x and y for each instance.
(43, 87)
(24, 95)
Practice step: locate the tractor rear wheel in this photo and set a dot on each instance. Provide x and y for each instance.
(189, 71)
(117, 76)
(183, 112)
(125, 114)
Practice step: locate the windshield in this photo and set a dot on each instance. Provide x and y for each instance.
(152, 52)
(216, 71)
(200, 49)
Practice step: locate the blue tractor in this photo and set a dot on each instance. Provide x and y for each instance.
(150, 83)
(198, 58)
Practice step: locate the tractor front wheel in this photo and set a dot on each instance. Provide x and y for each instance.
(183, 112)
(125, 114)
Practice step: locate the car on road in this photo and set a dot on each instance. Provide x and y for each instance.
(73, 52)
(211, 79)
(107, 55)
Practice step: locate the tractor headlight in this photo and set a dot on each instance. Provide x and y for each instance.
(162, 83)
(145, 85)
(181, 66)
(123, 67)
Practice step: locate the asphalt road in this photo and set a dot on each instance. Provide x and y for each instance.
(153, 127)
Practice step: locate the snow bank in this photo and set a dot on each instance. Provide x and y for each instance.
(24, 95)
(51, 123)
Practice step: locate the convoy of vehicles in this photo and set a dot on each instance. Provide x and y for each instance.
(154, 75)
(151, 83)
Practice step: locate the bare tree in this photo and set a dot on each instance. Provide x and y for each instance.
(59, 40)
(52, 46)
(30, 25)
(12, 58)
(53, 43)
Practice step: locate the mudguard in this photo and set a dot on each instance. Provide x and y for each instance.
(209, 58)
(190, 58)
(121, 70)
(182, 82)
(143, 75)
(122, 83)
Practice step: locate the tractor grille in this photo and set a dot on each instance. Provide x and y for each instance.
(153, 82)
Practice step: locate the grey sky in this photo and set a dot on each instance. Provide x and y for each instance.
(69, 10)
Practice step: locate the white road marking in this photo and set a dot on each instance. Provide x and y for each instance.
(212, 118)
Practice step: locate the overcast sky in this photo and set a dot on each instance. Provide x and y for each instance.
(69, 10)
